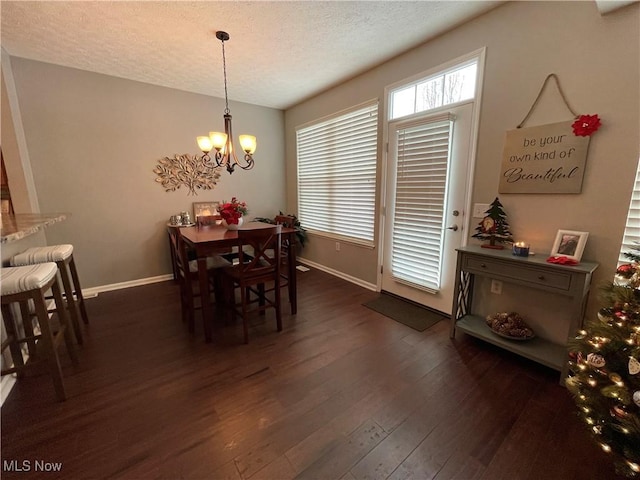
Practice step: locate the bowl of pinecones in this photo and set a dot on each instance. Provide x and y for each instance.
(509, 325)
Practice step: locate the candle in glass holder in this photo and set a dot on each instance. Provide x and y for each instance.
(521, 249)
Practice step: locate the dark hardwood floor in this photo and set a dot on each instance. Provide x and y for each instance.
(342, 393)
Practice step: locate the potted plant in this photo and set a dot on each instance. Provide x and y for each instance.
(301, 233)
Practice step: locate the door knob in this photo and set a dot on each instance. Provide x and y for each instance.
(453, 227)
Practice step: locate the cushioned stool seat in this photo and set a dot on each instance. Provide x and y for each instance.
(22, 285)
(62, 255)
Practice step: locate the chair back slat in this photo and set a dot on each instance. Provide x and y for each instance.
(174, 239)
(262, 241)
(287, 221)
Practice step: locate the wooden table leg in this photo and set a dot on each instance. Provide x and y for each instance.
(293, 282)
(207, 311)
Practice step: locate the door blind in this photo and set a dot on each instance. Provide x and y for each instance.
(631, 239)
(337, 175)
(423, 153)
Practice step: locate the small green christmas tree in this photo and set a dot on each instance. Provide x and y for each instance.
(605, 370)
(494, 226)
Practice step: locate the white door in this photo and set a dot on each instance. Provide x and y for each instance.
(424, 214)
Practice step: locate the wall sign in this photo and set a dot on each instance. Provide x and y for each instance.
(543, 159)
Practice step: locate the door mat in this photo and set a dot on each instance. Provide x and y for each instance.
(410, 314)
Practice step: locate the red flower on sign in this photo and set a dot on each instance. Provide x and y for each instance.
(233, 210)
(585, 125)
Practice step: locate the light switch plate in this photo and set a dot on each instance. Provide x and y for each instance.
(479, 209)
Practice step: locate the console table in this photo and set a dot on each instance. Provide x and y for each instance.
(531, 272)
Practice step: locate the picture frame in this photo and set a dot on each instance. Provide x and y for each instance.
(570, 244)
(207, 213)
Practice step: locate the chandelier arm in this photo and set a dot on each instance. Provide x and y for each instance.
(248, 158)
(219, 158)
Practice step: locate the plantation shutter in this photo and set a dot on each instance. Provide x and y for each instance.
(423, 153)
(337, 175)
(631, 238)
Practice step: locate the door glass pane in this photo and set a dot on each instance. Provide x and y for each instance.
(403, 102)
(444, 88)
(460, 84)
(429, 94)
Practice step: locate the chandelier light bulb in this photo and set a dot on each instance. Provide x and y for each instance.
(218, 139)
(248, 143)
(205, 144)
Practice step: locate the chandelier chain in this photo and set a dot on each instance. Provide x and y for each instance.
(224, 70)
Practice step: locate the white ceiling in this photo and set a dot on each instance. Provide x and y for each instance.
(279, 53)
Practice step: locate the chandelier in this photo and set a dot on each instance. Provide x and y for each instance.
(222, 143)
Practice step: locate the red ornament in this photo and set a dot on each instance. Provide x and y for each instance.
(620, 314)
(618, 412)
(585, 125)
(626, 271)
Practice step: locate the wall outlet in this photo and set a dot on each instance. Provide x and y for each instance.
(496, 287)
(480, 209)
(337, 246)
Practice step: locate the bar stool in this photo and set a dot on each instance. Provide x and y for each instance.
(62, 255)
(31, 283)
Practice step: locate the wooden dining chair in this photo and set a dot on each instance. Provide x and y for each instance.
(252, 273)
(187, 273)
(172, 232)
(287, 221)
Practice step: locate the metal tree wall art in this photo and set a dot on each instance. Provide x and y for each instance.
(191, 171)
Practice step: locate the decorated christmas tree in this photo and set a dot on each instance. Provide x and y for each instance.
(605, 369)
(494, 226)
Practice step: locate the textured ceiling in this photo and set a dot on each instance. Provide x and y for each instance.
(279, 53)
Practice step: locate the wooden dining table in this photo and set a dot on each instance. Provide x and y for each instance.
(216, 239)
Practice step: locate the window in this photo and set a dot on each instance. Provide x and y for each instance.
(451, 86)
(337, 161)
(631, 238)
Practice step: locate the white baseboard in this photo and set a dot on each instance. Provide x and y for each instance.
(336, 273)
(94, 291)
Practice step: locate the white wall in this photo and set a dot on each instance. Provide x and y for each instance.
(597, 60)
(94, 141)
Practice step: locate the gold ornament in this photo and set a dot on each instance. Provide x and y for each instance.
(614, 377)
(634, 366)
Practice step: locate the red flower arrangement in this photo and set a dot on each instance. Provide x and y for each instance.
(585, 125)
(232, 211)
